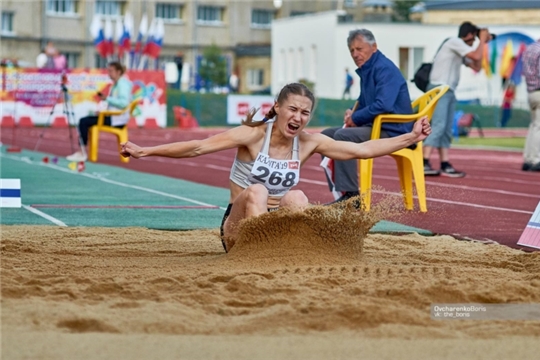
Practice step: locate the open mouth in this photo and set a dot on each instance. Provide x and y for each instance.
(293, 127)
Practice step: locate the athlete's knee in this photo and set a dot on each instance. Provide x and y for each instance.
(294, 198)
(256, 193)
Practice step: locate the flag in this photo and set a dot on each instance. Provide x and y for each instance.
(124, 44)
(506, 59)
(155, 38)
(518, 67)
(143, 29)
(493, 62)
(485, 61)
(96, 31)
(10, 193)
(108, 33)
(118, 32)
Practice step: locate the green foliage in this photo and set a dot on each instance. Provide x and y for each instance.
(402, 10)
(513, 143)
(213, 68)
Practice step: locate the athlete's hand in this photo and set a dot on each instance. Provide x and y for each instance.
(130, 149)
(421, 129)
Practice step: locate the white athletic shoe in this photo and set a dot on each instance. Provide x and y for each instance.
(78, 156)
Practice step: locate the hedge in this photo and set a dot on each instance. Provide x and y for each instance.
(211, 110)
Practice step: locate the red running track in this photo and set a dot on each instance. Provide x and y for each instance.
(493, 202)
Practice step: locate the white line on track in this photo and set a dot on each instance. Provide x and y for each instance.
(43, 215)
(118, 183)
(310, 181)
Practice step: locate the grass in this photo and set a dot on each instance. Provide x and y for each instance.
(512, 142)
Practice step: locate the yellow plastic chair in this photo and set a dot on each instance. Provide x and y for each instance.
(121, 133)
(409, 161)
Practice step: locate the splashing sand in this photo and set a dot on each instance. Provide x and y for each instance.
(320, 235)
(307, 285)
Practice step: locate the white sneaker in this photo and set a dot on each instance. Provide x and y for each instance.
(78, 156)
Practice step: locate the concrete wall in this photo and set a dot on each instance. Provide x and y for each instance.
(503, 17)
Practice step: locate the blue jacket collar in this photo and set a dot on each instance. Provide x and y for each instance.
(370, 63)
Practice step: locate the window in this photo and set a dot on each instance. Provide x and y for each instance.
(100, 63)
(72, 59)
(169, 11)
(262, 18)
(346, 18)
(111, 8)
(349, 3)
(255, 78)
(7, 22)
(210, 14)
(410, 60)
(62, 6)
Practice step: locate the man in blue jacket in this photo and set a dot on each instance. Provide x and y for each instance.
(383, 90)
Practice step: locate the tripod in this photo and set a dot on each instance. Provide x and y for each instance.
(70, 116)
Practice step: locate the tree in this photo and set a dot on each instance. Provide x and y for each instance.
(402, 10)
(213, 68)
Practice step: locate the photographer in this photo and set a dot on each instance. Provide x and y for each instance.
(119, 97)
(454, 52)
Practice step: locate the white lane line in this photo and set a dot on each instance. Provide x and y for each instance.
(316, 182)
(118, 183)
(43, 215)
(462, 187)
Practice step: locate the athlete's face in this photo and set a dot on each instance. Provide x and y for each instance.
(293, 114)
(361, 50)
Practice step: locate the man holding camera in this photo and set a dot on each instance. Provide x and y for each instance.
(454, 52)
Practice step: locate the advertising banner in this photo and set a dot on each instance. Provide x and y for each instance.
(238, 107)
(41, 93)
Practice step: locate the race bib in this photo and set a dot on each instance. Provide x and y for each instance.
(278, 176)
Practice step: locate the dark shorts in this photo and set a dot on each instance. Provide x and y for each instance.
(225, 216)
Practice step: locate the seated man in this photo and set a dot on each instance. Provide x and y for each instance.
(119, 97)
(383, 90)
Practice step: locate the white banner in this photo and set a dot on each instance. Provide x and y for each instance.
(238, 107)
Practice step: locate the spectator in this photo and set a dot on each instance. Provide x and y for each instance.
(233, 83)
(51, 52)
(445, 71)
(60, 61)
(508, 98)
(119, 97)
(383, 90)
(349, 81)
(531, 71)
(41, 59)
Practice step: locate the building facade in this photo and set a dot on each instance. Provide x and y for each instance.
(319, 53)
(240, 28)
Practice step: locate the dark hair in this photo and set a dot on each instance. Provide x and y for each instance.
(467, 28)
(294, 89)
(118, 66)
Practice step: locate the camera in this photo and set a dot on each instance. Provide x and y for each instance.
(491, 36)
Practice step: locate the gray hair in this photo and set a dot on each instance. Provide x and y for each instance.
(364, 33)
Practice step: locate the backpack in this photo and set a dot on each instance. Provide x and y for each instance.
(421, 76)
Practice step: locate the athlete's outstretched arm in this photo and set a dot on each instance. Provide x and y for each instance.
(233, 138)
(345, 150)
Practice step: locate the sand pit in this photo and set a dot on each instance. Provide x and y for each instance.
(95, 293)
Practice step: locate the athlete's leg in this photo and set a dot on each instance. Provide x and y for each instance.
(294, 199)
(253, 201)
